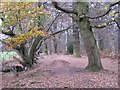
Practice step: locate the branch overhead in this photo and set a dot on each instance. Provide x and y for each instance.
(110, 8)
(9, 33)
(104, 24)
(52, 22)
(55, 4)
(113, 21)
(53, 34)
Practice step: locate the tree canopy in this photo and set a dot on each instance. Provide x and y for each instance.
(22, 17)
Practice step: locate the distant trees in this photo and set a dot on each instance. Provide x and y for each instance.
(76, 43)
(82, 20)
(26, 26)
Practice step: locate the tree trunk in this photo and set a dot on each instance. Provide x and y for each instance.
(55, 45)
(69, 43)
(33, 49)
(101, 44)
(23, 53)
(46, 48)
(28, 56)
(94, 61)
(76, 41)
(76, 45)
(50, 46)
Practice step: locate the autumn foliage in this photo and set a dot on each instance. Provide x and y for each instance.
(22, 14)
(24, 37)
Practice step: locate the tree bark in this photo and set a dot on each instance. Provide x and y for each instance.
(94, 61)
(101, 45)
(33, 49)
(76, 36)
(46, 48)
(23, 53)
(76, 45)
(55, 46)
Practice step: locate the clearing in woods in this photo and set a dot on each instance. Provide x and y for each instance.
(64, 71)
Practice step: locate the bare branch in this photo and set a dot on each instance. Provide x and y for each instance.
(9, 33)
(117, 20)
(32, 27)
(53, 22)
(50, 35)
(117, 23)
(110, 8)
(103, 25)
(108, 23)
(62, 9)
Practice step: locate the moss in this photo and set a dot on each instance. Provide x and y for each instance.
(94, 68)
(76, 53)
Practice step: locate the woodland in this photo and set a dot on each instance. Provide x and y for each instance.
(59, 44)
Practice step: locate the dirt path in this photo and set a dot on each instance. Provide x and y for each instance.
(64, 71)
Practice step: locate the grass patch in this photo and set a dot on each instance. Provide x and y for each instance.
(4, 56)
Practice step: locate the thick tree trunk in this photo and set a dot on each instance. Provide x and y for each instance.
(94, 61)
(23, 53)
(28, 56)
(33, 49)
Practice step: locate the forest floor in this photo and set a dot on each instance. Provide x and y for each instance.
(64, 71)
